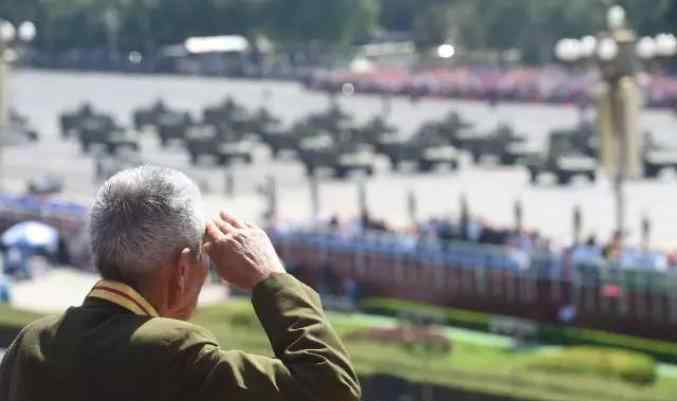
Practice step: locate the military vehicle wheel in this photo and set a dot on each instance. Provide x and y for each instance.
(563, 178)
(65, 128)
(394, 163)
(507, 160)
(592, 176)
(340, 172)
(651, 171)
(425, 166)
(533, 176)
(223, 160)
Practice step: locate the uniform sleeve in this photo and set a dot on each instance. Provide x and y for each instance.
(6, 370)
(311, 363)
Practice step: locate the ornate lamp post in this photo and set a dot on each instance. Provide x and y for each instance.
(10, 37)
(111, 20)
(617, 54)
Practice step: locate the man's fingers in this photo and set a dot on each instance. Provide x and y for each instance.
(234, 221)
(226, 228)
(214, 233)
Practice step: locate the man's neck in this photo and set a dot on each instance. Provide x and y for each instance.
(151, 287)
(155, 293)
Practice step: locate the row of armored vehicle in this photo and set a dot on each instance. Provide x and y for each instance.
(576, 152)
(331, 139)
(324, 139)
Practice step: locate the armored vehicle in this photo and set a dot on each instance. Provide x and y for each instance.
(374, 133)
(451, 126)
(657, 157)
(322, 152)
(94, 129)
(70, 121)
(583, 137)
(503, 143)
(335, 121)
(228, 113)
(173, 126)
(263, 120)
(279, 139)
(103, 130)
(562, 159)
(149, 116)
(207, 140)
(426, 149)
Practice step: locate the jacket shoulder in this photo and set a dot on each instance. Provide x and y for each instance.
(171, 333)
(40, 327)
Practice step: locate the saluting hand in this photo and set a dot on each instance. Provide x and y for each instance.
(242, 252)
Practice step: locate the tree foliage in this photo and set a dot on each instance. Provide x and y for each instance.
(329, 22)
(530, 25)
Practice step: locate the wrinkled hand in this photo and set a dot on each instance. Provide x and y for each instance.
(242, 253)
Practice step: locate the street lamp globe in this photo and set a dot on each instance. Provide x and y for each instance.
(27, 31)
(666, 45)
(616, 18)
(7, 31)
(607, 50)
(568, 50)
(646, 48)
(446, 50)
(588, 46)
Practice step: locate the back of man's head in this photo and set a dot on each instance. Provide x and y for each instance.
(142, 218)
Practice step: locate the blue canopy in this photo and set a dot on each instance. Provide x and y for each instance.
(32, 234)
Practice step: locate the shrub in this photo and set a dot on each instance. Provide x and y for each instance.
(627, 366)
(449, 316)
(411, 338)
(663, 351)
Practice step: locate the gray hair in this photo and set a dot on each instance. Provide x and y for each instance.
(142, 218)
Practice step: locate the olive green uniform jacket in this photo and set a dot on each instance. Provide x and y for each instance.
(110, 350)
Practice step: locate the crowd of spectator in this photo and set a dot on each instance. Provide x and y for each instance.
(521, 247)
(548, 84)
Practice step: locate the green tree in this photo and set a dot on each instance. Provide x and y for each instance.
(530, 25)
(328, 22)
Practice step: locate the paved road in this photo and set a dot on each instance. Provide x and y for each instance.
(491, 190)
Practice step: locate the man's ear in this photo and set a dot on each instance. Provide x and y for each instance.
(184, 264)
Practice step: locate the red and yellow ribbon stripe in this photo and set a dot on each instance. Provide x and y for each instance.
(124, 296)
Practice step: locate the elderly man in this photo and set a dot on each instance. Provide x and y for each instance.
(129, 339)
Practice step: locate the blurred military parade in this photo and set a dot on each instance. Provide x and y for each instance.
(514, 160)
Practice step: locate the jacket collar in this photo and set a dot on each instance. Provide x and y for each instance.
(123, 295)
